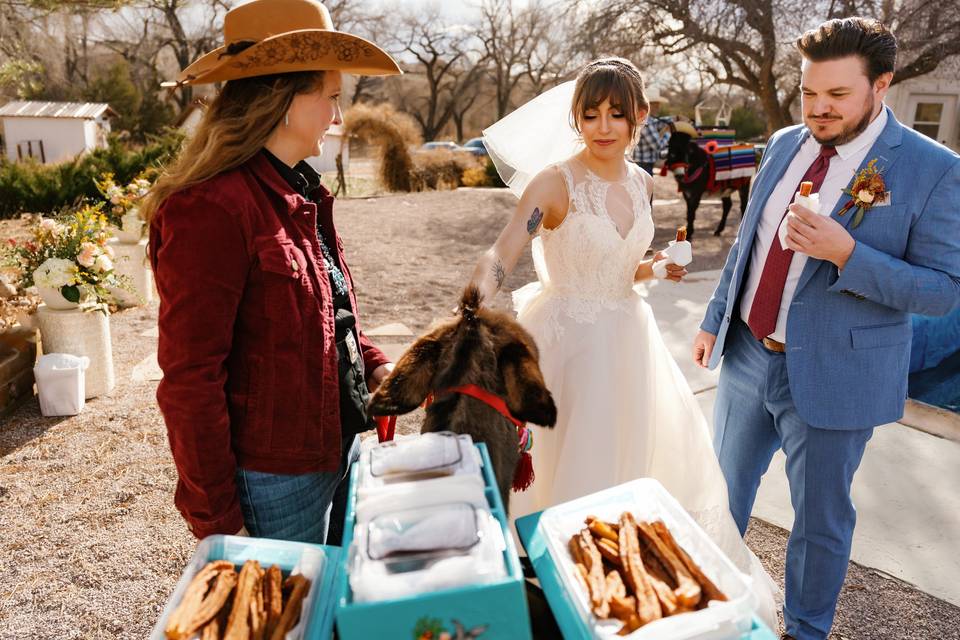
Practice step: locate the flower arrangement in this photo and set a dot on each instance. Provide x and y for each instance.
(69, 255)
(867, 190)
(121, 200)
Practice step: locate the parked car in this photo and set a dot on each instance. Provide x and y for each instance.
(441, 144)
(476, 147)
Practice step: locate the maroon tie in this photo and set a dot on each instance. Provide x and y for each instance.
(766, 304)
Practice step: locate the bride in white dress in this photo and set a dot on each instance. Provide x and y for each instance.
(625, 410)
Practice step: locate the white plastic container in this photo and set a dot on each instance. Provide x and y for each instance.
(320, 564)
(420, 550)
(416, 458)
(647, 500)
(418, 471)
(61, 383)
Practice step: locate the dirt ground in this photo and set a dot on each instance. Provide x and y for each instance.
(91, 541)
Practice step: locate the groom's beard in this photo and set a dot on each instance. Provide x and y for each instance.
(848, 133)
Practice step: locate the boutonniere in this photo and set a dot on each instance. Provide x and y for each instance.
(867, 190)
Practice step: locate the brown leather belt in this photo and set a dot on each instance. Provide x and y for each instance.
(773, 345)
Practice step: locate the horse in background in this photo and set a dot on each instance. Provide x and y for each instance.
(695, 172)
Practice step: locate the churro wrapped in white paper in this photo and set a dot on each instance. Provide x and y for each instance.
(804, 198)
(679, 252)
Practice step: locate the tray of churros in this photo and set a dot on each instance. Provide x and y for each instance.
(252, 588)
(630, 562)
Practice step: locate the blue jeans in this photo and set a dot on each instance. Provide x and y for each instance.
(755, 416)
(309, 507)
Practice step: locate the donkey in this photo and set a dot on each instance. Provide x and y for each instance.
(482, 347)
(692, 171)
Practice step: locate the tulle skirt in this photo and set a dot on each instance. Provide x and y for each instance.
(624, 411)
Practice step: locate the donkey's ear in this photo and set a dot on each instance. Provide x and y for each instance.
(527, 395)
(412, 378)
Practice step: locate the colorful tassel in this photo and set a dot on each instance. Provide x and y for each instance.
(523, 476)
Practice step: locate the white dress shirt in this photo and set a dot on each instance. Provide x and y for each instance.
(843, 167)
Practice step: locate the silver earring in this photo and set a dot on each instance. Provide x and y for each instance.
(286, 119)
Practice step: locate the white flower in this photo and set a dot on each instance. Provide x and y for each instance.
(55, 273)
(103, 263)
(48, 225)
(109, 251)
(865, 196)
(115, 199)
(87, 255)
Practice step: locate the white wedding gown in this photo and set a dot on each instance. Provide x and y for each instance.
(624, 409)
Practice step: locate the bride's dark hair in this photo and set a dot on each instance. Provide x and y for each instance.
(616, 79)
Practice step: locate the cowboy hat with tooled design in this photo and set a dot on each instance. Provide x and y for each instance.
(264, 37)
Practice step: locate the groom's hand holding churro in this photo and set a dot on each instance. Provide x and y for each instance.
(818, 236)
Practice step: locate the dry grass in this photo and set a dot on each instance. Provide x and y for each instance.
(392, 132)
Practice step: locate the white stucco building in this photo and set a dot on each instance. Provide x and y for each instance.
(931, 103)
(53, 131)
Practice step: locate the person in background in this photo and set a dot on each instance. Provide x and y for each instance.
(653, 135)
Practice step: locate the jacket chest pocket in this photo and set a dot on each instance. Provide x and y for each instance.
(287, 291)
(884, 228)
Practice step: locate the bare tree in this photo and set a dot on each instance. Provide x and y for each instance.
(510, 37)
(441, 53)
(749, 43)
(469, 79)
(168, 21)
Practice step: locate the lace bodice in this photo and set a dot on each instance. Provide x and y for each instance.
(588, 262)
(596, 250)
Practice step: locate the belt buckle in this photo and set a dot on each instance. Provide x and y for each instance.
(772, 345)
(352, 348)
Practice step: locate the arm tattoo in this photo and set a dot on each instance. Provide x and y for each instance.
(534, 220)
(499, 274)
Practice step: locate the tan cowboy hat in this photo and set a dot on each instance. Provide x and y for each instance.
(264, 37)
(653, 95)
(685, 127)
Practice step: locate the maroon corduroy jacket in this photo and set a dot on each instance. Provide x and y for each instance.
(246, 337)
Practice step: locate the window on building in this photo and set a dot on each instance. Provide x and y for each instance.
(926, 118)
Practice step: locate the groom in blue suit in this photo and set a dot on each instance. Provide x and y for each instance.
(815, 335)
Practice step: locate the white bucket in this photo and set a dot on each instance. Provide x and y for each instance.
(60, 381)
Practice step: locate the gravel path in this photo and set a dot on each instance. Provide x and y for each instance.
(92, 542)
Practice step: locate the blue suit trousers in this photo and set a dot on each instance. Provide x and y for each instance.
(754, 416)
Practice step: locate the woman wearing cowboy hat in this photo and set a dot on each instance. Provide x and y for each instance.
(266, 371)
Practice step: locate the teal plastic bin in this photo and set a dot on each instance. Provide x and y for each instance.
(561, 603)
(321, 564)
(492, 611)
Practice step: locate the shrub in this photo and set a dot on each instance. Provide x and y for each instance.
(482, 176)
(439, 169)
(475, 177)
(391, 131)
(34, 187)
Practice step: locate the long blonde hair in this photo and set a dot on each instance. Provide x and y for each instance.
(234, 128)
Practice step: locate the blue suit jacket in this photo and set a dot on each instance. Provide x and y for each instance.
(848, 334)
